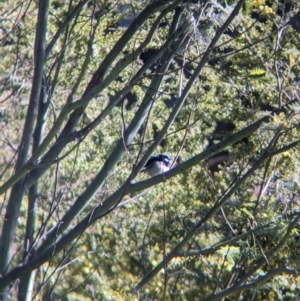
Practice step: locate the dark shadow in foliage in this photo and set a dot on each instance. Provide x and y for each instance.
(255, 104)
(146, 55)
(295, 22)
(267, 107)
(163, 142)
(170, 102)
(224, 66)
(141, 130)
(259, 17)
(56, 4)
(233, 33)
(223, 129)
(216, 161)
(186, 67)
(130, 99)
(285, 8)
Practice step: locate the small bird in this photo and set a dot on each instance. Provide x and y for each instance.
(157, 164)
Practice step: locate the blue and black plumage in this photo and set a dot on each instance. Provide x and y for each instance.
(157, 164)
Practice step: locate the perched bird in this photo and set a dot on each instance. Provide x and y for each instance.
(157, 164)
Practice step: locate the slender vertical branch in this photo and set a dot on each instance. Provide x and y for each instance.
(17, 192)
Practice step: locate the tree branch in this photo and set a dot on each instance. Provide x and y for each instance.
(17, 192)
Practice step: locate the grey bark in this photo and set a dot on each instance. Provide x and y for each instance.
(17, 191)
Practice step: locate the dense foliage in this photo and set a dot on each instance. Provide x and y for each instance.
(90, 90)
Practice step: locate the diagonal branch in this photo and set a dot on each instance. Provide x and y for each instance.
(93, 89)
(63, 26)
(260, 280)
(118, 151)
(238, 287)
(111, 201)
